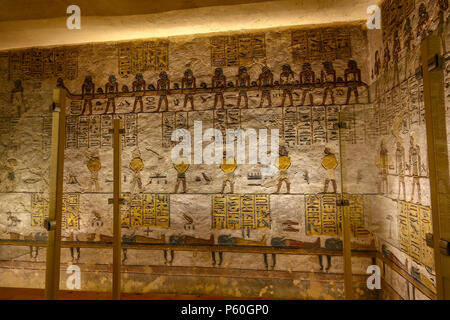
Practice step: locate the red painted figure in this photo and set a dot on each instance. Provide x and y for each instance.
(219, 82)
(287, 78)
(242, 82)
(188, 82)
(138, 91)
(352, 84)
(111, 90)
(265, 81)
(87, 94)
(163, 85)
(328, 79)
(307, 80)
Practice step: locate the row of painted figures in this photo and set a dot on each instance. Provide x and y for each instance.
(331, 244)
(307, 82)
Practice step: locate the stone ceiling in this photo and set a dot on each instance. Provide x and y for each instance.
(43, 22)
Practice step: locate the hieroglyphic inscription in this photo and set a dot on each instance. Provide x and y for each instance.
(94, 131)
(170, 122)
(241, 212)
(414, 224)
(321, 44)
(228, 51)
(39, 209)
(70, 211)
(323, 217)
(43, 64)
(146, 210)
(227, 119)
(144, 56)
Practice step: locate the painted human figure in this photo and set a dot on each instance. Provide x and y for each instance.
(377, 65)
(283, 164)
(415, 163)
(242, 82)
(163, 84)
(265, 82)
(400, 167)
(228, 168)
(188, 82)
(138, 91)
(307, 80)
(111, 90)
(219, 82)
(94, 166)
(17, 96)
(386, 57)
(352, 77)
(408, 43)
(136, 165)
(396, 49)
(443, 7)
(329, 163)
(328, 79)
(423, 21)
(181, 165)
(383, 164)
(287, 79)
(87, 93)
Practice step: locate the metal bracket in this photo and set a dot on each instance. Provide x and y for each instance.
(121, 201)
(50, 225)
(433, 63)
(342, 203)
(444, 247)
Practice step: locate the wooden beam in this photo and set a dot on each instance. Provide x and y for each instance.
(56, 193)
(435, 117)
(345, 212)
(117, 237)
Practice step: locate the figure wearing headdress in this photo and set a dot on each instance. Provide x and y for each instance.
(17, 96)
(87, 94)
(265, 82)
(329, 163)
(188, 82)
(136, 165)
(328, 79)
(181, 165)
(283, 163)
(415, 165)
(94, 165)
(163, 85)
(219, 82)
(242, 82)
(228, 168)
(111, 90)
(287, 79)
(307, 80)
(138, 91)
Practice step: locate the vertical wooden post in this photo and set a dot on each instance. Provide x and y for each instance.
(345, 212)
(433, 80)
(117, 238)
(52, 273)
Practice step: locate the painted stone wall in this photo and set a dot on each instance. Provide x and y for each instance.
(400, 212)
(293, 80)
